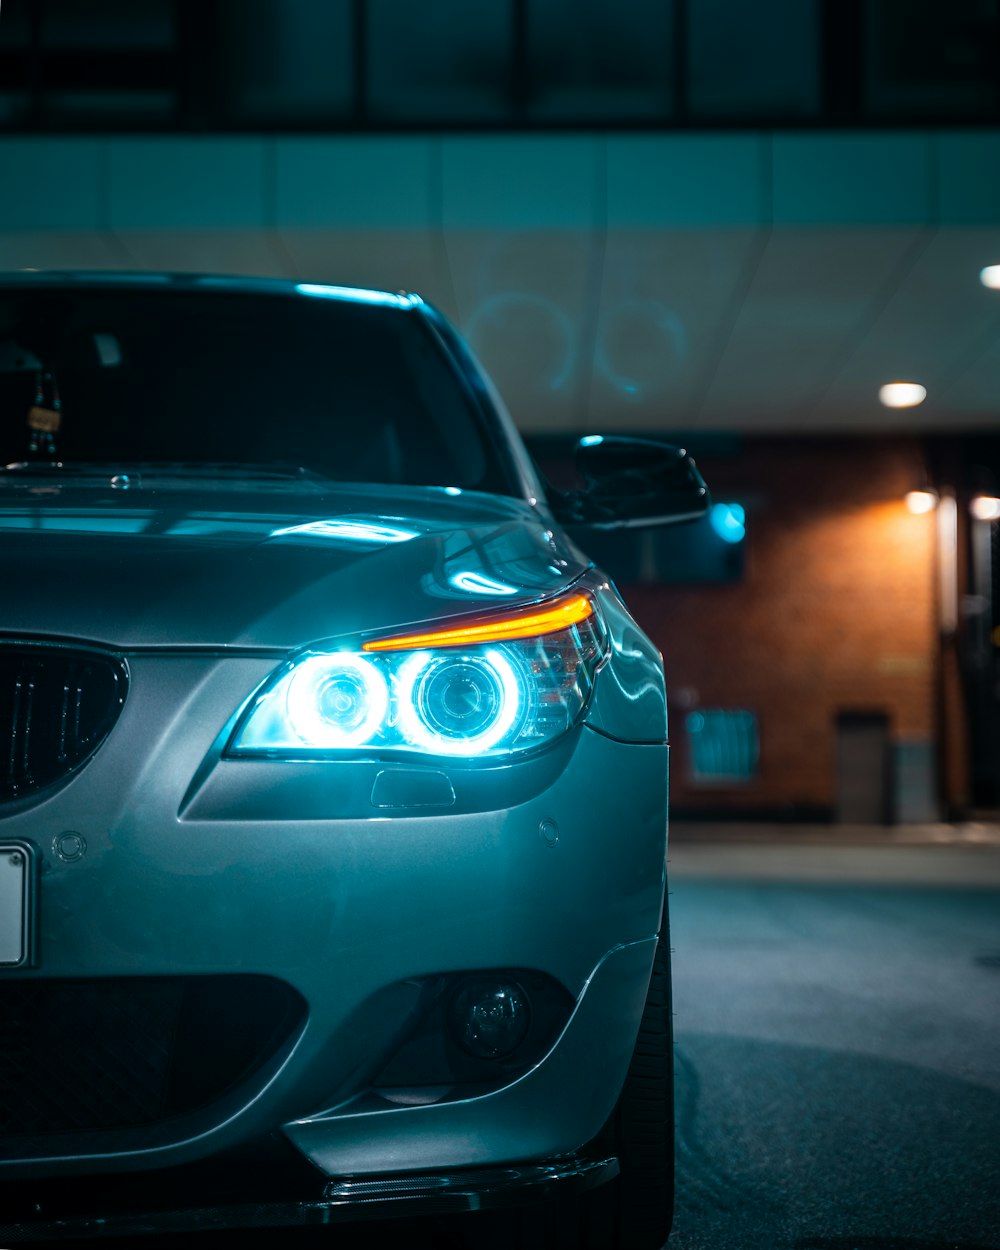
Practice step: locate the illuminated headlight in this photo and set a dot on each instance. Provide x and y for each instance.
(459, 704)
(482, 690)
(336, 700)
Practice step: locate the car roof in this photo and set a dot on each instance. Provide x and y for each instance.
(126, 280)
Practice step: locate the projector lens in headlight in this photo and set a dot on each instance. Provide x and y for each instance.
(459, 703)
(482, 689)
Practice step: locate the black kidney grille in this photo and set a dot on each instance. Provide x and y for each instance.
(92, 1056)
(56, 708)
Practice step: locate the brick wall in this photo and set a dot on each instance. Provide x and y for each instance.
(836, 612)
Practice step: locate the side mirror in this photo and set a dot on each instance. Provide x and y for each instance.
(631, 482)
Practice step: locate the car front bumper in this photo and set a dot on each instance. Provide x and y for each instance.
(198, 867)
(104, 1215)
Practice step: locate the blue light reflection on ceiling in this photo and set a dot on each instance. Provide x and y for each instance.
(489, 320)
(729, 521)
(625, 323)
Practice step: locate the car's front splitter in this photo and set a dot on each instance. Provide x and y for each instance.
(344, 1200)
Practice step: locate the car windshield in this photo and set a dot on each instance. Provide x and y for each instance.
(224, 382)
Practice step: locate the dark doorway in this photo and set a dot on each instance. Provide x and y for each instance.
(863, 782)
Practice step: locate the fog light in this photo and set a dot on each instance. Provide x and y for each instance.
(490, 1019)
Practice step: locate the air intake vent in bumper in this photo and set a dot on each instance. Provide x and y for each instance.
(82, 1058)
(57, 705)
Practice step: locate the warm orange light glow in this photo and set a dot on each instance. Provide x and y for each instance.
(526, 624)
(921, 501)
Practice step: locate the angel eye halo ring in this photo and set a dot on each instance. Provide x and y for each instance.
(458, 704)
(336, 700)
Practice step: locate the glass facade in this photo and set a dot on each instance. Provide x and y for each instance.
(586, 59)
(437, 63)
(287, 61)
(358, 65)
(762, 59)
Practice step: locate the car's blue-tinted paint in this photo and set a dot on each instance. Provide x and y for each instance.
(186, 565)
(361, 884)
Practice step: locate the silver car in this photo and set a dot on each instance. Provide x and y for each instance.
(333, 779)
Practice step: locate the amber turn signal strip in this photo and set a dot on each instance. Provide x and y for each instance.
(530, 624)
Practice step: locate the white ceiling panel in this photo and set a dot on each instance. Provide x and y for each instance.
(930, 328)
(972, 397)
(61, 249)
(520, 220)
(159, 183)
(663, 297)
(693, 181)
(968, 170)
(853, 179)
(526, 304)
(51, 184)
(811, 295)
(527, 183)
(203, 251)
(351, 183)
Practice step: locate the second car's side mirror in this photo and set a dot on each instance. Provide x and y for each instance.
(631, 482)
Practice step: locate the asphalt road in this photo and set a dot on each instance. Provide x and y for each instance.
(837, 1017)
(838, 1047)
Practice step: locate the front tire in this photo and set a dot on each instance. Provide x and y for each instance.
(641, 1128)
(634, 1211)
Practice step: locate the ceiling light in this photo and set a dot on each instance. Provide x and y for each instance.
(990, 276)
(985, 508)
(902, 394)
(921, 501)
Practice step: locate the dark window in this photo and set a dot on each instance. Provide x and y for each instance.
(288, 60)
(926, 60)
(192, 65)
(589, 59)
(66, 63)
(448, 61)
(759, 60)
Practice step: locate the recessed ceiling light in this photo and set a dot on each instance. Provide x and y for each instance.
(985, 508)
(990, 276)
(902, 394)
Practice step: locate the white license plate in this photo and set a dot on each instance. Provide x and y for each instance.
(14, 916)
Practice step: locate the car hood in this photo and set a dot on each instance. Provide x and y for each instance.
(279, 566)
